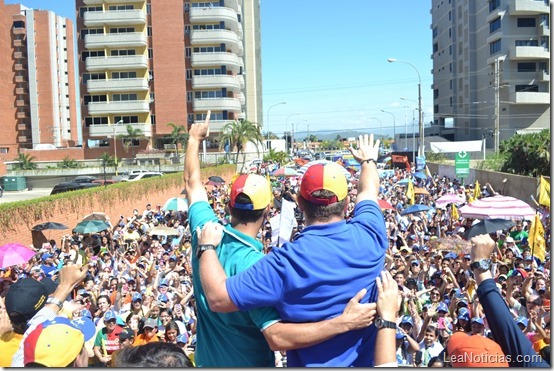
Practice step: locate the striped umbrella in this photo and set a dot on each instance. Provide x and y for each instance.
(284, 171)
(176, 204)
(498, 207)
(450, 198)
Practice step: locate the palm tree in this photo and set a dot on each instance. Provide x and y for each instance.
(238, 134)
(25, 161)
(131, 135)
(178, 135)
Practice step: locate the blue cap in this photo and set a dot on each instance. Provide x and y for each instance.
(46, 256)
(164, 282)
(182, 338)
(415, 262)
(163, 298)
(442, 307)
(83, 292)
(109, 315)
(467, 256)
(463, 302)
(407, 319)
(524, 321)
(137, 296)
(399, 335)
(173, 257)
(120, 321)
(451, 255)
(463, 313)
(478, 320)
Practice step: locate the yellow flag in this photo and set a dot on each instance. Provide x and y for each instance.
(544, 192)
(477, 191)
(469, 196)
(410, 192)
(454, 213)
(536, 238)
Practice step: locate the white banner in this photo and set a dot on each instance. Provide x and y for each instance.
(454, 147)
(283, 223)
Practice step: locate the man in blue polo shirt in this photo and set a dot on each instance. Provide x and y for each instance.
(312, 278)
(246, 339)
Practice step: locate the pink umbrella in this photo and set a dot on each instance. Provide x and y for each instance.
(13, 254)
(450, 198)
(497, 207)
(284, 171)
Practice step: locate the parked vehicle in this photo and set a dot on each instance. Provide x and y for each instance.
(71, 186)
(84, 179)
(139, 176)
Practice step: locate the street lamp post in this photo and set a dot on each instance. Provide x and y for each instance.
(115, 144)
(413, 128)
(286, 127)
(299, 122)
(421, 149)
(268, 110)
(393, 124)
(380, 125)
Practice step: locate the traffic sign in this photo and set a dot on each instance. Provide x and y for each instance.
(462, 164)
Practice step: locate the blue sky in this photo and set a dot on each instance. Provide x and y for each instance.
(328, 61)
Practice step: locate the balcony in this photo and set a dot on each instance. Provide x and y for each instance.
(21, 103)
(216, 82)
(544, 76)
(495, 36)
(524, 97)
(20, 67)
(17, 43)
(527, 7)
(23, 139)
(22, 127)
(93, 2)
(216, 125)
(242, 98)
(120, 129)
(215, 14)
(528, 52)
(106, 108)
(216, 104)
(20, 79)
(19, 55)
(20, 91)
(19, 31)
(124, 1)
(21, 115)
(241, 81)
(115, 18)
(230, 60)
(233, 4)
(216, 37)
(544, 30)
(117, 85)
(126, 62)
(498, 12)
(115, 40)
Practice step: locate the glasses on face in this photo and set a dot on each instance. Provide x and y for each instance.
(149, 329)
(435, 294)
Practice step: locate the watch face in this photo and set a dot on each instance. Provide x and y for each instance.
(379, 322)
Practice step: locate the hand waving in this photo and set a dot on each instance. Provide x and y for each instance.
(368, 149)
(200, 131)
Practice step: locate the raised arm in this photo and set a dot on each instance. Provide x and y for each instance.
(366, 154)
(193, 182)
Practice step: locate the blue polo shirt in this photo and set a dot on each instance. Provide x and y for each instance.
(313, 278)
(229, 339)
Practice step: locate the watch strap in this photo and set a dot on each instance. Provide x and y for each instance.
(387, 324)
(201, 248)
(55, 301)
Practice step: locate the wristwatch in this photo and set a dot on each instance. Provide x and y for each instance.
(381, 323)
(483, 265)
(201, 248)
(53, 300)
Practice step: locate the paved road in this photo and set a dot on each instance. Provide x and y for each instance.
(12, 196)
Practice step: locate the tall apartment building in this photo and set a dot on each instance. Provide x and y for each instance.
(150, 63)
(491, 68)
(37, 80)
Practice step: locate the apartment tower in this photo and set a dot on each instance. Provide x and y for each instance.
(148, 64)
(37, 80)
(491, 68)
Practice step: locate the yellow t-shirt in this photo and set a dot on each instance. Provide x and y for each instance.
(9, 344)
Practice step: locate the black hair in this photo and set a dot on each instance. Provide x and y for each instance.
(245, 216)
(322, 212)
(156, 354)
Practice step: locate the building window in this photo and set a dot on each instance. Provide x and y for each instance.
(493, 4)
(93, 76)
(450, 101)
(435, 32)
(152, 119)
(18, 24)
(131, 142)
(495, 47)
(149, 31)
(526, 67)
(124, 97)
(209, 94)
(451, 84)
(122, 29)
(435, 93)
(526, 22)
(94, 98)
(188, 52)
(189, 96)
(189, 74)
(121, 7)
(527, 43)
(209, 49)
(527, 88)
(97, 53)
(494, 25)
(4, 149)
(122, 52)
(127, 119)
(150, 53)
(435, 47)
(84, 9)
(148, 9)
(95, 121)
(124, 75)
(209, 72)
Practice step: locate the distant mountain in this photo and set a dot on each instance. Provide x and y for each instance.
(330, 136)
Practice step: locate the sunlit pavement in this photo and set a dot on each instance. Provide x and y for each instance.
(12, 196)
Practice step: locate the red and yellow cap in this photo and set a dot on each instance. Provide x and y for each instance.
(324, 176)
(256, 187)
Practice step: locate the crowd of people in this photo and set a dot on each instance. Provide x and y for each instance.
(238, 287)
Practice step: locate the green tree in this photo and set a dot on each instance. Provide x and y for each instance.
(129, 137)
(280, 157)
(107, 160)
(527, 154)
(25, 162)
(68, 163)
(238, 134)
(178, 135)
